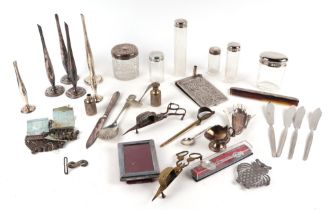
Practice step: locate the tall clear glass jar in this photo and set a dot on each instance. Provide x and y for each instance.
(214, 60)
(231, 67)
(271, 70)
(125, 61)
(156, 66)
(180, 47)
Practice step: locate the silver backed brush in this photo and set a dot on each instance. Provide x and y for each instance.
(112, 130)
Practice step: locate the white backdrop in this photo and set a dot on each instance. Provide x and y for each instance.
(299, 29)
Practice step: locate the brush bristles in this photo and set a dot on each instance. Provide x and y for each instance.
(107, 133)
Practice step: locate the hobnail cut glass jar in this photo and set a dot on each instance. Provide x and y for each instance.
(125, 61)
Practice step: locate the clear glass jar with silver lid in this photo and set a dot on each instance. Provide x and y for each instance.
(180, 47)
(156, 66)
(271, 70)
(231, 66)
(125, 61)
(214, 60)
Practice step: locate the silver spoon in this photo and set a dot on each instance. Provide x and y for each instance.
(112, 130)
(190, 141)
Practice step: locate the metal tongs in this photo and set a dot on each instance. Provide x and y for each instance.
(147, 118)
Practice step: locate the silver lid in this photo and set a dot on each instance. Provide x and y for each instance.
(181, 23)
(124, 51)
(156, 56)
(233, 47)
(215, 51)
(273, 59)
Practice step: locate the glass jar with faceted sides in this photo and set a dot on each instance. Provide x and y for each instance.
(125, 61)
(214, 60)
(231, 67)
(156, 66)
(180, 47)
(271, 70)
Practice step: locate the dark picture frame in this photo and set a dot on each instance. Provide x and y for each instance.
(138, 161)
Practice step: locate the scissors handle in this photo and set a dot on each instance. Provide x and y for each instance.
(203, 114)
(181, 155)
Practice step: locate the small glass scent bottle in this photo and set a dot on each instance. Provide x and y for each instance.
(156, 66)
(125, 61)
(214, 60)
(180, 47)
(231, 67)
(271, 70)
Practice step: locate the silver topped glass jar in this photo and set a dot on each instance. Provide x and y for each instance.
(271, 70)
(231, 67)
(156, 66)
(180, 47)
(125, 61)
(214, 60)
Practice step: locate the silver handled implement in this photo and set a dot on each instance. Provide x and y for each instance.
(314, 118)
(269, 114)
(112, 130)
(297, 124)
(288, 116)
(100, 123)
